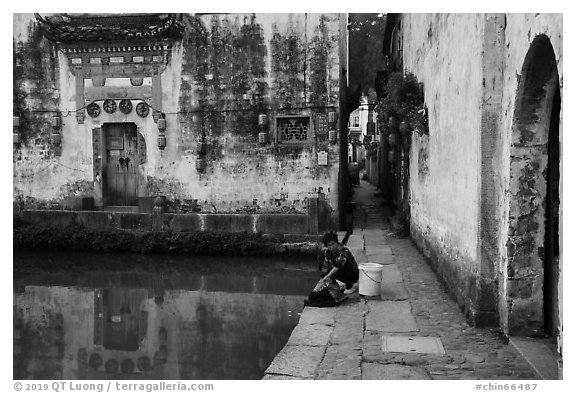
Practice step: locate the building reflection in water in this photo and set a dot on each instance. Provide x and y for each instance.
(155, 326)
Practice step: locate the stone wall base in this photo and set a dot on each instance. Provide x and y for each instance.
(475, 296)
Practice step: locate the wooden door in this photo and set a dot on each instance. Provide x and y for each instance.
(121, 164)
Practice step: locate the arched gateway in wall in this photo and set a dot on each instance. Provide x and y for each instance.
(533, 232)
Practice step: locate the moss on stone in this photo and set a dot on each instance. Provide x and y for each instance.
(74, 237)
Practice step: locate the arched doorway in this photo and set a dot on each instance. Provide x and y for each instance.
(532, 273)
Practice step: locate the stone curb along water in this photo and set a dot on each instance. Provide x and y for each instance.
(72, 237)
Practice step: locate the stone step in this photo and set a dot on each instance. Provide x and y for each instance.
(538, 355)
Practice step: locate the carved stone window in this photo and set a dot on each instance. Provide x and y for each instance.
(293, 129)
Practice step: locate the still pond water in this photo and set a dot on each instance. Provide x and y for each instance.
(125, 316)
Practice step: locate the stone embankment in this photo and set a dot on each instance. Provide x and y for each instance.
(130, 232)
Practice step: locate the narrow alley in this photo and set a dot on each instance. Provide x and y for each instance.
(415, 330)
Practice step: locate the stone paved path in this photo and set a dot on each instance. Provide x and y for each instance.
(414, 313)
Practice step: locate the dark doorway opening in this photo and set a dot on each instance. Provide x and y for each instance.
(552, 243)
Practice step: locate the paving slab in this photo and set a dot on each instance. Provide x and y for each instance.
(317, 316)
(310, 335)
(412, 344)
(380, 257)
(392, 372)
(385, 248)
(374, 231)
(376, 234)
(348, 334)
(355, 251)
(391, 273)
(393, 291)
(377, 244)
(390, 316)
(359, 256)
(341, 362)
(355, 241)
(297, 361)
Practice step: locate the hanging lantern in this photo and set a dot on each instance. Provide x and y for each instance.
(55, 137)
(331, 117)
(56, 122)
(161, 141)
(16, 121)
(16, 137)
(200, 164)
(262, 137)
(162, 124)
(392, 139)
(332, 136)
(391, 156)
(262, 120)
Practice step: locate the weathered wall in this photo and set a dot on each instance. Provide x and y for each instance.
(444, 52)
(478, 175)
(41, 86)
(229, 67)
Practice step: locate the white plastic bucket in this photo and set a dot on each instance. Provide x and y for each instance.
(370, 279)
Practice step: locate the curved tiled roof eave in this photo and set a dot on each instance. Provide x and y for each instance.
(61, 29)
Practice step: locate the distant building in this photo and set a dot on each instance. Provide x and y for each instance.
(361, 132)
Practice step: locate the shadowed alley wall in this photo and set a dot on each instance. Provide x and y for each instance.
(478, 180)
